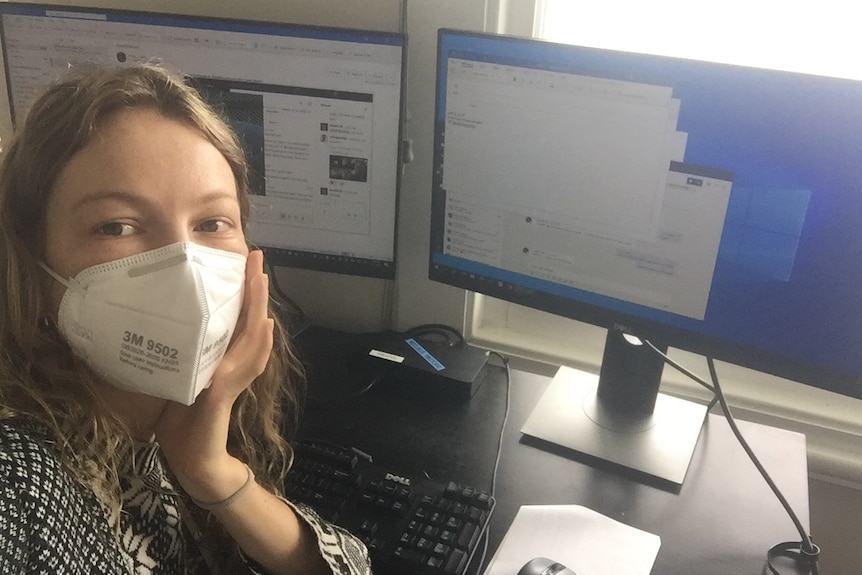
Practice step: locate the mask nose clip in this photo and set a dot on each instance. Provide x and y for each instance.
(160, 265)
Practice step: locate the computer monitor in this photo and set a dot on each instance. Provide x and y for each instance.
(709, 207)
(318, 110)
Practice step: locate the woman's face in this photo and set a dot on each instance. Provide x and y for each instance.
(143, 181)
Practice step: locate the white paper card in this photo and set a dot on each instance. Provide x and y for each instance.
(583, 540)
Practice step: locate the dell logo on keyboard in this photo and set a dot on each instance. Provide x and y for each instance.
(398, 479)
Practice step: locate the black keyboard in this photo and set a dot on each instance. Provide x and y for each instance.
(411, 526)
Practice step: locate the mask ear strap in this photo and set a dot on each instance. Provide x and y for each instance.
(70, 283)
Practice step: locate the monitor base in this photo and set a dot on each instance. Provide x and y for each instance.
(660, 445)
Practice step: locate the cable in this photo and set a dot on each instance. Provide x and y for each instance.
(685, 372)
(504, 423)
(446, 331)
(678, 367)
(273, 280)
(807, 551)
(318, 402)
(498, 457)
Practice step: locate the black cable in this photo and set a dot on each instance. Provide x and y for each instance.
(283, 299)
(439, 329)
(794, 550)
(805, 551)
(678, 367)
(323, 402)
(505, 361)
(499, 453)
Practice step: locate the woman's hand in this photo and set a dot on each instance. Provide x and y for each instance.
(194, 441)
(194, 438)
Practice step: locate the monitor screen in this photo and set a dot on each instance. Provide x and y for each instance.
(709, 207)
(318, 111)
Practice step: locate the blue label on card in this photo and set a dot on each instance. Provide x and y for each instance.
(425, 355)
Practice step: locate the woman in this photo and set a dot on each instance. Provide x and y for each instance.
(128, 288)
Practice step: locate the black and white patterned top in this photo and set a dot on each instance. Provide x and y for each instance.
(51, 524)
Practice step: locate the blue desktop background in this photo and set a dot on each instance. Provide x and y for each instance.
(789, 274)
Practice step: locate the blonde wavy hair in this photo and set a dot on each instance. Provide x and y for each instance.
(40, 379)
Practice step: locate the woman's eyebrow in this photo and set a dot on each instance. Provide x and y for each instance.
(213, 196)
(109, 195)
(219, 195)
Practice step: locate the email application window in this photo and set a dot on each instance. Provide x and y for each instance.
(625, 219)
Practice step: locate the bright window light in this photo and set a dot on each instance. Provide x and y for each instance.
(803, 36)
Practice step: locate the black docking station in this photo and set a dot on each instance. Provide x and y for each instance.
(428, 368)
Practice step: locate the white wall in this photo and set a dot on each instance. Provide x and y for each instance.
(417, 299)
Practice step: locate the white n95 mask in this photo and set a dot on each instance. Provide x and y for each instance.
(157, 322)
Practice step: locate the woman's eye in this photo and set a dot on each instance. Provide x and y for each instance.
(116, 229)
(212, 226)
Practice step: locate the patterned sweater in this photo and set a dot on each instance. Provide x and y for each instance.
(50, 524)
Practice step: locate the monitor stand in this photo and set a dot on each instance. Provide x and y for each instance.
(657, 438)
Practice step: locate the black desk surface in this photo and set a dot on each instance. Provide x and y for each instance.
(722, 520)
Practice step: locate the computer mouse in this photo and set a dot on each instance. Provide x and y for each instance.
(544, 566)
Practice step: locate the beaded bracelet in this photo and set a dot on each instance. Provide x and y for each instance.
(231, 499)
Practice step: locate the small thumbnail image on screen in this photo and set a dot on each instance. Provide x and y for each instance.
(244, 112)
(348, 168)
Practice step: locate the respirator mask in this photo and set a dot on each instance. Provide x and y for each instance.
(158, 322)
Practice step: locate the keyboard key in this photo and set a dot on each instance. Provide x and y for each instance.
(468, 536)
(457, 563)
